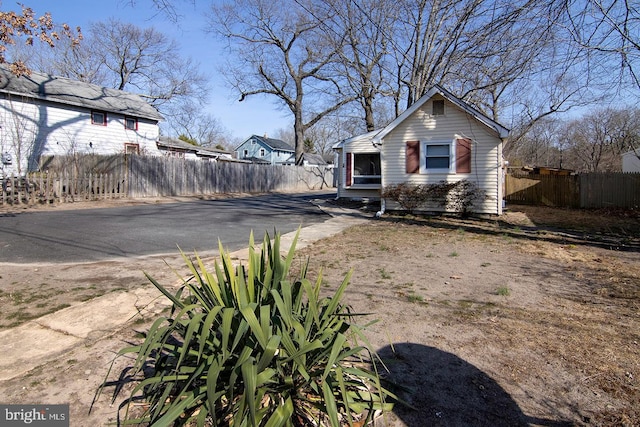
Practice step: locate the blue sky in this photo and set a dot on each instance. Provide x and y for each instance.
(255, 115)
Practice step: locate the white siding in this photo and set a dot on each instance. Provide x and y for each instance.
(56, 129)
(631, 162)
(486, 170)
(355, 192)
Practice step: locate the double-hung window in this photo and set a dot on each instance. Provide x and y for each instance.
(438, 157)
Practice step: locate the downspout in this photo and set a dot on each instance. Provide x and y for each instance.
(383, 206)
(383, 203)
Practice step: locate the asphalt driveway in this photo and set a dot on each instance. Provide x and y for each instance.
(107, 233)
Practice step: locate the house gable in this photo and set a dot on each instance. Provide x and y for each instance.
(425, 104)
(263, 149)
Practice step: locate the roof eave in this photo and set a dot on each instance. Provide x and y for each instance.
(54, 100)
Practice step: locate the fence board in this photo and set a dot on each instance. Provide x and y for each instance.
(547, 190)
(592, 190)
(97, 178)
(603, 190)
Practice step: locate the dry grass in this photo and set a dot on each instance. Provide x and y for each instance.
(543, 301)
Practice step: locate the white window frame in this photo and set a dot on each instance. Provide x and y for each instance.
(452, 158)
(355, 177)
(263, 152)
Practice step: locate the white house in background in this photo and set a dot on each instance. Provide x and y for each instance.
(43, 115)
(631, 161)
(173, 147)
(439, 138)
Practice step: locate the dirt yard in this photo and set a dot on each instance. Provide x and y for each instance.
(530, 319)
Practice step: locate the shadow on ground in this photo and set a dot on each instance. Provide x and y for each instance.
(625, 240)
(444, 390)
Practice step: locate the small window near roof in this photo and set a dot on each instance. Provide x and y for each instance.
(131, 123)
(438, 107)
(99, 118)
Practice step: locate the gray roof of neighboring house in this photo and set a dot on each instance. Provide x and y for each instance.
(314, 159)
(178, 144)
(70, 92)
(275, 144)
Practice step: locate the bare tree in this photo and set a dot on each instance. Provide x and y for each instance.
(358, 30)
(145, 61)
(609, 31)
(168, 8)
(199, 126)
(430, 42)
(281, 50)
(595, 142)
(540, 146)
(141, 60)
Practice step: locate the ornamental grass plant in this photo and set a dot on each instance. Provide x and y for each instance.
(252, 346)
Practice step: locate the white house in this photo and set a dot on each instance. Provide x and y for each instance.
(439, 138)
(173, 147)
(631, 161)
(43, 115)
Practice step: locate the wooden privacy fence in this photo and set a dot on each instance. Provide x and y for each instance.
(60, 187)
(159, 176)
(589, 190)
(145, 176)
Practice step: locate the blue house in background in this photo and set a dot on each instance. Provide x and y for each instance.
(260, 149)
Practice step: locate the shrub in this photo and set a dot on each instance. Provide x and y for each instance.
(408, 196)
(460, 196)
(463, 196)
(247, 346)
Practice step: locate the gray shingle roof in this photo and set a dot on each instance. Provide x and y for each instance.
(178, 144)
(276, 144)
(70, 92)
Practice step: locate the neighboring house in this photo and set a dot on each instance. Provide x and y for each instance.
(540, 170)
(173, 147)
(260, 149)
(439, 138)
(43, 115)
(631, 161)
(309, 160)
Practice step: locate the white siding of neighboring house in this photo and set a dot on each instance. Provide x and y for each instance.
(57, 129)
(486, 162)
(631, 162)
(363, 145)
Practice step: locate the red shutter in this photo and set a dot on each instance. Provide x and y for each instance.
(463, 156)
(413, 157)
(349, 168)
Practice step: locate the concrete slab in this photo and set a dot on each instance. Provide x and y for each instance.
(104, 313)
(30, 345)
